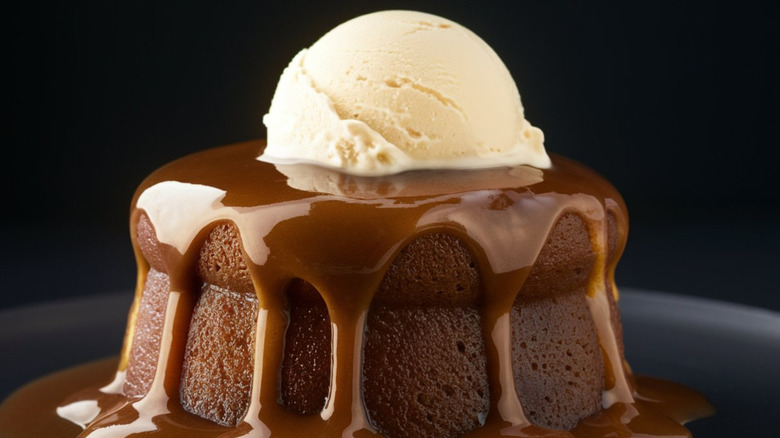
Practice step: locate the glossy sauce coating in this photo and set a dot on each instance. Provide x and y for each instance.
(341, 233)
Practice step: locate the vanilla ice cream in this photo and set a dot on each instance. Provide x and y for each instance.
(400, 90)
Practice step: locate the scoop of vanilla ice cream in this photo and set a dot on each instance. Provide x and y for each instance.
(399, 90)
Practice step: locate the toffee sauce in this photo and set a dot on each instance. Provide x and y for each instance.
(341, 233)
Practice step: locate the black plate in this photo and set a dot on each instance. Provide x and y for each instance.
(728, 352)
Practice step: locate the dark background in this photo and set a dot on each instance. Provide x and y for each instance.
(676, 104)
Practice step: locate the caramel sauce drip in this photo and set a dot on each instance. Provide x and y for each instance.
(341, 233)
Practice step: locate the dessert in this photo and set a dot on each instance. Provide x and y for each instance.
(400, 258)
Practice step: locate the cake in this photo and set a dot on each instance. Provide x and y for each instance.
(360, 286)
(456, 302)
(434, 311)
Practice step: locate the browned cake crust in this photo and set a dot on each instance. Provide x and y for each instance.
(559, 369)
(305, 374)
(221, 262)
(424, 366)
(218, 363)
(142, 363)
(219, 357)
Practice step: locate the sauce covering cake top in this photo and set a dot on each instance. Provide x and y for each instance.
(401, 257)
